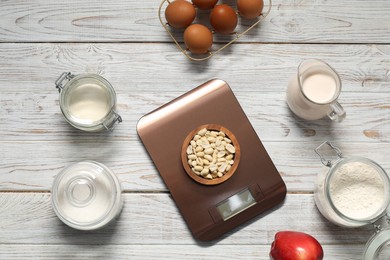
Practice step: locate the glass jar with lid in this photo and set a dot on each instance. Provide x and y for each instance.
(377, 247)
(86, 195)
(353, 192)
(87, 101)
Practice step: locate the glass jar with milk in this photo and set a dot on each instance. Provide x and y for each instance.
(312, 93)
(87, 101)
(353, 192)
(86, 195)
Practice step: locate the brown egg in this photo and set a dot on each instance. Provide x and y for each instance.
(180, 13)
(250, 8)
(205, 4)
(198, 38)
(223, 19)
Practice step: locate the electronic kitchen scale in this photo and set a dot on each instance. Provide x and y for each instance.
(211, 210)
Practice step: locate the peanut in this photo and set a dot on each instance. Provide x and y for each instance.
(210, 153)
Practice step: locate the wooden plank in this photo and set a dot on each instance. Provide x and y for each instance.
(33, 165)
(289, 21)
(124, 42)
(153, 219)
(119, 252)
(134, 68)
(37, 117)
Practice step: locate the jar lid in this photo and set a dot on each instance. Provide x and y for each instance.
(86, 195)
(376, 247)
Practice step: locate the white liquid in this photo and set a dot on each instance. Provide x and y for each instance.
(85, 204)
(87, 196)
(357, 190)
(319, 88)
(89, 103)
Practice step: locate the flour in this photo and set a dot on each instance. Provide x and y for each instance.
(357, 190)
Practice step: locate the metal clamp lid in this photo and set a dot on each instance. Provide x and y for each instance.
(376, 246)
(328, 162)
(64, 76)
(110, 127)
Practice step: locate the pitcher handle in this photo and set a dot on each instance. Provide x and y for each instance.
(337, 112)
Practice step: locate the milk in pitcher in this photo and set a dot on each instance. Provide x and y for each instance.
(312, 93)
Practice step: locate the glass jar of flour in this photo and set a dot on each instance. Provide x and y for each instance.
(352, 192)
(87, 101)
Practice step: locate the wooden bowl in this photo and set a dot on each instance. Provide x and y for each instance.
(200, 179)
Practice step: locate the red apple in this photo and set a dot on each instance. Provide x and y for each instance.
(291, 245)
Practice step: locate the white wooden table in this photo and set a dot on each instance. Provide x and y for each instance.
(124, 42)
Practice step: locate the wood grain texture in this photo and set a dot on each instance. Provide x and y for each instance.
(134, 68)
(38, 117)
(151, 252)
(137, 21)
(33, 165)
(30, 115)
(124, 42)
(153, 219)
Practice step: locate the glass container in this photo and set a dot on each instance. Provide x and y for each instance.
(351, 191)
(378, 246)
(87, 101)
(86, 195)
(354, 192)
(313, 92)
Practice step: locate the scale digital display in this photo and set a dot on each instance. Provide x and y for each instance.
(236, 204)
